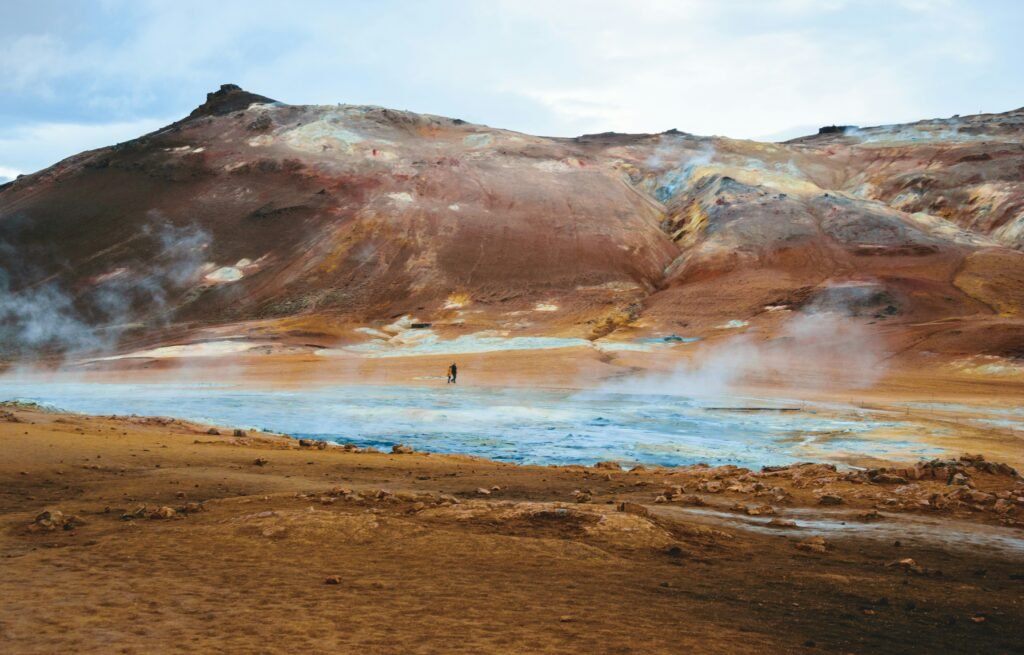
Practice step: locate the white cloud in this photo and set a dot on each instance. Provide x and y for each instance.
(22, 147)
(8, 174)
(744, 68)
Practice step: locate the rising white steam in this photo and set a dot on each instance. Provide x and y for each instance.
(52, 316)
(820, 350)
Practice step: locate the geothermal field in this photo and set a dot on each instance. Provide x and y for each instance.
(712, 395)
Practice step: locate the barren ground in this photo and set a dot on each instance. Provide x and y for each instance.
(323, 550)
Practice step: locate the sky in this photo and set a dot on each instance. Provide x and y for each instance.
(79, 74)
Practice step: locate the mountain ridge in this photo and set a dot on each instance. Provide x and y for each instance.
(251, 212)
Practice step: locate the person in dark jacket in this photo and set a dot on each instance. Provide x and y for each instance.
(453, 371)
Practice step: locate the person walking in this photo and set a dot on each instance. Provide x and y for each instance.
(453, 372)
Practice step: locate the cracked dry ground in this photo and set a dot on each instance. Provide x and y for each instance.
(161, 537)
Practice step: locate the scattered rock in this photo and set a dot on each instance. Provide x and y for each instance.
(673, 492)
(582, 496)
(401, 449)
(814, 545)
(830, 499)
(566, 618)
(781, 523)
(136, 513)
(9, 417)
(611, 466)
(634, 508)
(483, 492)
(979, 497)
(888, 478)
(260, 461)
(164, 513)
(213, 431)
(332, 579)
(908, 565)
(239, 433)
(48, 520)
(763, 510)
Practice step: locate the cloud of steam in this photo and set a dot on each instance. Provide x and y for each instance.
(144, 290)
(814, 350)
(52, 317)
(678, 177)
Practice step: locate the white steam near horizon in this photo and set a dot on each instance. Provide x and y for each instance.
(813, 350)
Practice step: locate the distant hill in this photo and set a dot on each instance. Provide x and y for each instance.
(303, 222)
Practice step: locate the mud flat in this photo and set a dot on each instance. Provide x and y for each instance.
(149, 535)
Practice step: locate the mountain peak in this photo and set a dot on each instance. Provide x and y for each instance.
(229, 98)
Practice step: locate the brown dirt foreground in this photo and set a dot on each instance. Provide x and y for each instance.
(161, 537)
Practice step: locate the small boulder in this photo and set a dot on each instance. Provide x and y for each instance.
(634, 508)
(401, 449)
(830, 499)
(979, 497)
(239, 433)
(260, 461)
(213, 431)
(908, 565)
(888, 478)
(49, 520)
(332, 579)
(164, 513)
(610, 466)
(814, 545)
(582, 496)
